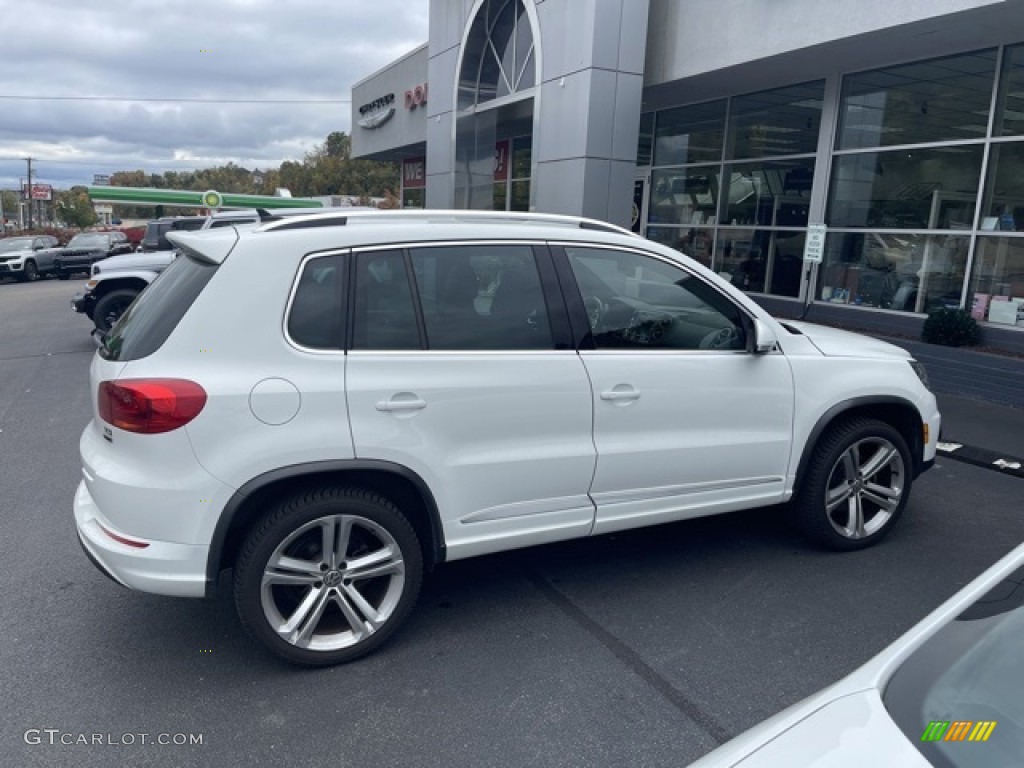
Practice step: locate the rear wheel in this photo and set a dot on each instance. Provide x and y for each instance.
(111, 306)
(856, 485)
(328, 576)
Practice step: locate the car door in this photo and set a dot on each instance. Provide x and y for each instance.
(686, 420)
(43, 254)
(461, 368)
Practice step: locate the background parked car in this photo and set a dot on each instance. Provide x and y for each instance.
(89, 247)
(26, 258)
(116, 282)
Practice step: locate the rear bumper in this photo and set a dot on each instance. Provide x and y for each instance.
(160, 567)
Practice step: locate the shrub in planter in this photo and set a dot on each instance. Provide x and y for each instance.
(951, 328)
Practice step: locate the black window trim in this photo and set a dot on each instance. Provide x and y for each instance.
(582, 335)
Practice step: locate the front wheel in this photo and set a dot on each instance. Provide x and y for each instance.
(29, 273)
(856, 485)
(328, 576)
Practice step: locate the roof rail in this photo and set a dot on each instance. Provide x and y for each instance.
(331, 217)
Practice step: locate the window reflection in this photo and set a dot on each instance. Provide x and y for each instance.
(936, 100)
(997, 280)
(776, 194)
(691, 134)
(697, 243)
(919, 189)
(912, 273)
(1003, 208)
(780, 122)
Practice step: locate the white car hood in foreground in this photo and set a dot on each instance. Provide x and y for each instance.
(836, 343)
(852, 732)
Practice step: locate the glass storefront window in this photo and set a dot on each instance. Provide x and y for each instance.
(776, 193)
(414, 198)
(780, 122)
(691, 134)
(1010, 112)
(695, 242)
(645, 141)
(911, 273)
(918, 189)
(498, 57)
(997, 276)
(761, 260)
(1003, 207)
(685, 196)
(927, 101)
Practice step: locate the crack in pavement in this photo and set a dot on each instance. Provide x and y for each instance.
(631, 659)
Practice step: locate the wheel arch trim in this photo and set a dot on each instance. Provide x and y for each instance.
(436, 548)
(839, 409)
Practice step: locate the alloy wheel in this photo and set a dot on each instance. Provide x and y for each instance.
(865, 487)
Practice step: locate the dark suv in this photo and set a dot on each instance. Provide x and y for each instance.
(155, 238)
(88, 247)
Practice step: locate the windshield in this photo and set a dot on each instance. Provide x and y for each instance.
(959, 697)
(15, 244)
(88, 241)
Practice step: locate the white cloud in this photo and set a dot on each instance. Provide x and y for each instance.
(218, 49)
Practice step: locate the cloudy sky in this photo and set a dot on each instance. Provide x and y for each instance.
(158, 52)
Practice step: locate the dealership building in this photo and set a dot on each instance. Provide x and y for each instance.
(729, 130)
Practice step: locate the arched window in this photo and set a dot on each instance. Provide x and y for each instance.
(498, 58)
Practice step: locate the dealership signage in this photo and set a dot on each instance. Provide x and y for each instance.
(377, 112)
(416, 97)
(414, 173)
(501, 160)
(100, 180)
(38, 192)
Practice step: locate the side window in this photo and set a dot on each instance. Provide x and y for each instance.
(385, 317)
(482, 297)
(315, 316)
(639, 302)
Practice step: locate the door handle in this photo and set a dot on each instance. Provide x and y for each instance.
(401, 405)
(619, 395)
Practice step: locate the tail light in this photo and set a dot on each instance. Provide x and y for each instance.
(150, 406)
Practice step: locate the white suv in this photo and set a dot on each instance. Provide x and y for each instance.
(332, 404)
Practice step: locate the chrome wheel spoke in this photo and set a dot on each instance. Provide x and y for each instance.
(355, 621)
(837, 496)
(300, 625)
(851, 466)
(291, 570)
(855, 522)
(883, 457)
(371, 615)
(886, 498)
(380, 563)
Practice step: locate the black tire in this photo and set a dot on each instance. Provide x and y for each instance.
(111, 306)
(294, 529)
(62, 275)
(30, 273)
(847, 450)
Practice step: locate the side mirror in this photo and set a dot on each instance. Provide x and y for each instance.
(763, 338)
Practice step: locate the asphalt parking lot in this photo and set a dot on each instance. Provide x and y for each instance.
(644, 649)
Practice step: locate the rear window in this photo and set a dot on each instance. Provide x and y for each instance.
(150, 320)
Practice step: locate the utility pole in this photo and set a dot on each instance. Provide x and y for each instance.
(29, 189)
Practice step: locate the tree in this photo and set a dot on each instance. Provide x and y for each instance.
(74, 208)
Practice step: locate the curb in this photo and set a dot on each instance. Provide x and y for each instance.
(980, 457)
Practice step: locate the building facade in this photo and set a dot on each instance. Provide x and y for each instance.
(724, 128)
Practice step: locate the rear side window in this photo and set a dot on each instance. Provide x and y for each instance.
(482, 297)
(149, 321)
(316, 312)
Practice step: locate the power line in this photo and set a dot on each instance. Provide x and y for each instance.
(183, 99)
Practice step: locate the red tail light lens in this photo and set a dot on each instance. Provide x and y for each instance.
(150, 406)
